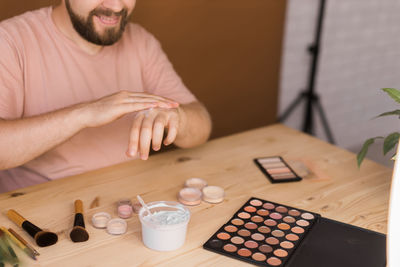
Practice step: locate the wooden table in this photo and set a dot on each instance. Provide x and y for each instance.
(337, 190)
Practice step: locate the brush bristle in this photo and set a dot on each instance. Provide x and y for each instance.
(79, 234)
(45, 239)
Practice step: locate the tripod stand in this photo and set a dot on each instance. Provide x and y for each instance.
(309, 95)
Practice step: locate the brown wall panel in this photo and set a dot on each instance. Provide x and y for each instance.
(9, 8)
(227, 52)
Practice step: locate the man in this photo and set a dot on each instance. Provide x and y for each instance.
(81, 88)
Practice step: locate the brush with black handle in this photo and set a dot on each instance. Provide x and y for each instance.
(79, 233)
(42, 238)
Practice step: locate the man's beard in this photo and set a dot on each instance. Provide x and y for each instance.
(87, 30)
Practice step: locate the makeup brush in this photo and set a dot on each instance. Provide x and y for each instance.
(18, 243)
(79, 233)
(24, 242)
(42, 238)
(2, 257)
(9, 251)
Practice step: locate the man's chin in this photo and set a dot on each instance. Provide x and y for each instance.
(109, 36)
(108, 39)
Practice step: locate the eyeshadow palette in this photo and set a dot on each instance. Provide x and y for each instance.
(265, 233)
(262, 232)
(276, 170)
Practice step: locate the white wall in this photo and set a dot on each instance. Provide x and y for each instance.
(360, 54)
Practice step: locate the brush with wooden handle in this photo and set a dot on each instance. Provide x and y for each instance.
(79, 233)
(18, 243)
(24, 242)
(42, 238)
(5, 245)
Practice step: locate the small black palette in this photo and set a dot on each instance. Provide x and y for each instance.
(265, 233)
(276, 170)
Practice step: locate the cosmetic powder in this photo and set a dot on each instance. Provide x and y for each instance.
(100, 219)
(165, 229)
(116, 226)
(189, 196)
(124, 208)
(167, 217)
(196, 183)
(213, 194)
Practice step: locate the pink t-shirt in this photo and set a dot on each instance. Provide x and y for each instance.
(41, 70)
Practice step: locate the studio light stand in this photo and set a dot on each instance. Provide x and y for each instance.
(312, 99)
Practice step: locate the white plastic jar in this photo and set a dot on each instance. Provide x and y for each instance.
(165, 229)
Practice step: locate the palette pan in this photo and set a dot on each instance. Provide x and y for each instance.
(266, 233)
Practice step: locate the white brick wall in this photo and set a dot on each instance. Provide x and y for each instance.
(360, 54)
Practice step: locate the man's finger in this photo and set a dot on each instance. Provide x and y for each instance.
(134, 135)
(156, 97)
(172, 131)
(145, 137)
(158, 132)
(133, 107)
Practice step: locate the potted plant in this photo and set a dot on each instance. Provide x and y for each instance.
(392, 139)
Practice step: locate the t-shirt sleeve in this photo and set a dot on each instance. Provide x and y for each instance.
(159, 76)
(11, 80)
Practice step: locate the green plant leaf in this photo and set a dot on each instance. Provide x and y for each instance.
(363, 152)
(394, 112)
(393, 93)
(390, 142)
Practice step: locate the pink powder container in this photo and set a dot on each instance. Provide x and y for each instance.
(124, 208)
(196, 183)
(136, 207)
(189, 196)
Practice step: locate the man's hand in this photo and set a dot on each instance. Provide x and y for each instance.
(110, 108)
(148, 128)
(188, 125)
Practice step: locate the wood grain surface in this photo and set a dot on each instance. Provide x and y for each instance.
(332, 186)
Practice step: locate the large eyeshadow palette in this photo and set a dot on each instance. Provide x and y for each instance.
(262, 232)
(265, 233)
(276, 170)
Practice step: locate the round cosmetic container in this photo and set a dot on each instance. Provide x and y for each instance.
(196, 183)
(165, 229)
(124, 208)
(213, 194)
(116, 226)
(100, 219)
(189, 196)
(136, 207)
